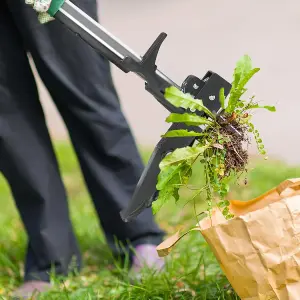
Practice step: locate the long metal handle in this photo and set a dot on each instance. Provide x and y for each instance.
(99, 37)
(127, 60)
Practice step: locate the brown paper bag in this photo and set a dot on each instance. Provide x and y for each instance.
(259, 249)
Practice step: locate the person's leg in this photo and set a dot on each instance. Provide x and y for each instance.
(80, 82)
(27, 161)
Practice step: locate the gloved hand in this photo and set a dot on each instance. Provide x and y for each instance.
(41, 7)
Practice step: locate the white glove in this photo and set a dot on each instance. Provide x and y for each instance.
(41, 7)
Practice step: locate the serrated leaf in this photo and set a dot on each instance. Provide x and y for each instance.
(243, 66)
(175, 194)
(188, 119)
(182, 154)
(163, 197)
(269, 108)
(187, 101)
(183, 176)
(243, 72)
(182, 133)
(222, 97)
(169, 182)
(245, 79)
(166, 175)
(236, 93)
(159, 202)
(174, 175)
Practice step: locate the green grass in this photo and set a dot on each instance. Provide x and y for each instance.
(192, 271)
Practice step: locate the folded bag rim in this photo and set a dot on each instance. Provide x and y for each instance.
(285, 188)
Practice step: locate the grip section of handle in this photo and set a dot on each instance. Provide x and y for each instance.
(55, 6)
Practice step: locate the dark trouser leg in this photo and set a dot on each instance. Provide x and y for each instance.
(80, 83)
(27, 160)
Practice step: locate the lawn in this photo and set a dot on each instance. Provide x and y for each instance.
(192, 271)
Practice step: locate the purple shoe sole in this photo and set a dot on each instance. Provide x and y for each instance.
(30, 289)
(146, 257)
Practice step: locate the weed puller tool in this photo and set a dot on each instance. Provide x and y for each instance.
(156, 82)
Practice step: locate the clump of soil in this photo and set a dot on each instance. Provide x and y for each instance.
(236, 158)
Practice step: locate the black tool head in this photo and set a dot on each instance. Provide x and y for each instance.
(145, 193)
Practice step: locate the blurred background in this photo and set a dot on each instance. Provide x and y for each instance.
(202, 36)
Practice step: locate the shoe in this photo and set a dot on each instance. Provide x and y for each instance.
(30, 289)
(146, 256)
